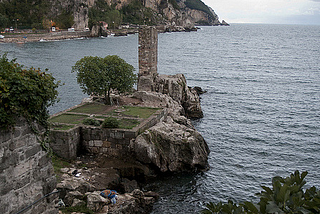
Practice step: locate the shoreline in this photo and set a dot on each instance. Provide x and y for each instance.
(21, 38)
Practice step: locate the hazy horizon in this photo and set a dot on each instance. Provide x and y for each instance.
(306, 12)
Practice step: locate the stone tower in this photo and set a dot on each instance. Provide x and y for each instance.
(148, 57)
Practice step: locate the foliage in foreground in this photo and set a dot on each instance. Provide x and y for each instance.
(286, 196)
(98, 75)
(24, 92)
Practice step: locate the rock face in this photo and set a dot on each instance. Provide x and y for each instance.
(176, 87)
(165, 12)
(172, 147)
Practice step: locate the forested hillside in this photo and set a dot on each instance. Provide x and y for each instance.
(42, 14)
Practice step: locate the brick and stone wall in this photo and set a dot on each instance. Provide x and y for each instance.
(26, 173)
(148, 57)
(65, 143)
(97, 140)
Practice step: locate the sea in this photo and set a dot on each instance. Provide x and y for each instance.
(261, 109)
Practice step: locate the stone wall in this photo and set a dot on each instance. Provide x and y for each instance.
(26, 173)
(148, 57)
(97, 140)
(65, 143)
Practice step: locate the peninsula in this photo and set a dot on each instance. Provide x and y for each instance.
(155, 138)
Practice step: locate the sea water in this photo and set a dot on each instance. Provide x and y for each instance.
(261, 109)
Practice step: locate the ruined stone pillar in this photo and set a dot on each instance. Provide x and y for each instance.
(148, 57)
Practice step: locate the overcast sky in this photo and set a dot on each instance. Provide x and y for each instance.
(267, 11)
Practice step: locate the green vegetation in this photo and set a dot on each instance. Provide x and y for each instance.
(90, 108)
(68, 118)
(25, 92)
(198, 5)
(91, 122)
(136, 13)
(136, 111)
(101, 11)
(111, 122)
(61, 127)
(128, 123)
(35, 14)
(98, 75)
(59, 163)
(286, 196)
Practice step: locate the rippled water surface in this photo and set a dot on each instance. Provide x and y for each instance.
(261, 111)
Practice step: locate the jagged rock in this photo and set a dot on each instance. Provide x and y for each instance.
(133, 203)
(95, 201)
(128, 186)
(77, 202)
(199, 90)
(171, 147)
(176, 87)
(70, 196)
(74, 184)
(224, 23)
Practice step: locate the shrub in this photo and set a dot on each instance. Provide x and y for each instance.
(286, 196)
(25, 92)
(91, 122)
(110, 122)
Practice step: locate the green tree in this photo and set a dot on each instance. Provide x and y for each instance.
(285, 196)
(98, 75)
(3, 20)
(25, 92)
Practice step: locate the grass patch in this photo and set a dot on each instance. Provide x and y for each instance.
(77, 209)
(62, 127)
(68, 118)
(90, 108)
(136, 111)
(59, 163)
(128, 123)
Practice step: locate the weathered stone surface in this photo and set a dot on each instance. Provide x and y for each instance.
(133, 203)
(26, 173)
(171, 147)
(71, 196)
(95, 201)
(176, 87)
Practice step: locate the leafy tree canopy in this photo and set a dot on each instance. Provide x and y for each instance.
(24, 92)
(98, 75)
(285, 196)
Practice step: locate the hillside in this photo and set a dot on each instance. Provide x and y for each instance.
(81, 14)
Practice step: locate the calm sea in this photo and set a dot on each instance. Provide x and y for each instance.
(261, 111)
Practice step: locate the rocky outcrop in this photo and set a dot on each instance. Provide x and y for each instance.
(171, 147)
(175, 86)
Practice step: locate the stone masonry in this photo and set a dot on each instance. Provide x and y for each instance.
(96, 140)
(26, 173)
(148, 57)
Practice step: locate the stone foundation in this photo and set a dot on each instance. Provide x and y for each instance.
(26, 173)
(96, 140)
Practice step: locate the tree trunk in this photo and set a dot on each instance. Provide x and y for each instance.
(107, 99)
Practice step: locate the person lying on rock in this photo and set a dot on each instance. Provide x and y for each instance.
(111, 194)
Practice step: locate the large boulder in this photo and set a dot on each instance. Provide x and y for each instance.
(171, 147)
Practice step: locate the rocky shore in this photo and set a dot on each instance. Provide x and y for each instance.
(171, 146)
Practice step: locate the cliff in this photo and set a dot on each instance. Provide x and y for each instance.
(83, 14)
